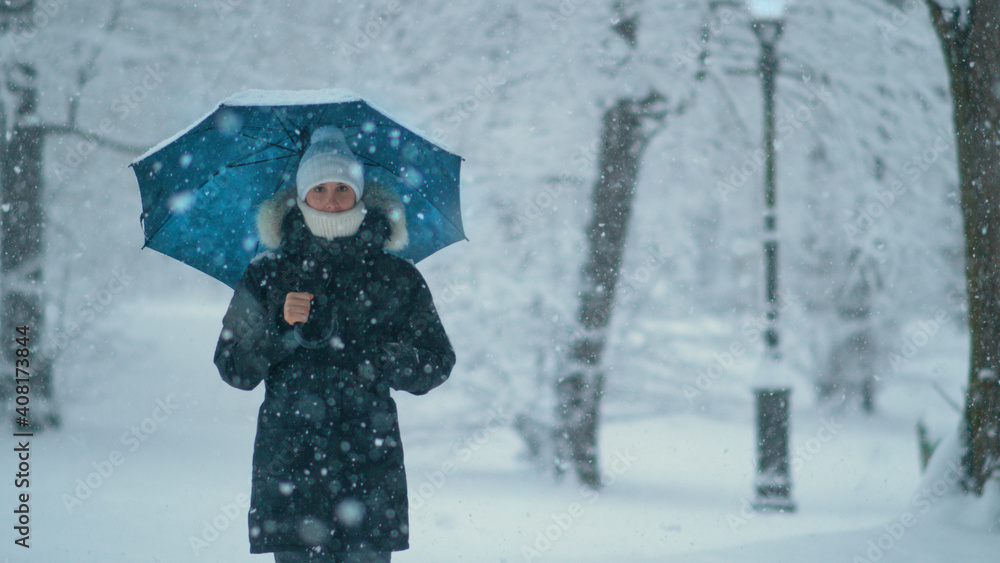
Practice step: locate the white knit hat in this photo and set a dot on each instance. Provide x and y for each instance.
(327, 159)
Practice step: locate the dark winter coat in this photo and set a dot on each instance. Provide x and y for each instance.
(328, 462)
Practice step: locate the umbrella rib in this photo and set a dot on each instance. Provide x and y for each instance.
(441, 166)
(210, 128)
(281, 122)
(445, 217)
(281, 178)
(267, 144)
(235, 165)
(319, 117)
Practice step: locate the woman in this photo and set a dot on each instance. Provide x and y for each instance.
(330, 322)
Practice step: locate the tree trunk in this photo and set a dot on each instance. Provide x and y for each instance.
(579, 387)
(21, 252)
(970, 38)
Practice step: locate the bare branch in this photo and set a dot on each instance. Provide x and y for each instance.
(944, 395)
(70, 129)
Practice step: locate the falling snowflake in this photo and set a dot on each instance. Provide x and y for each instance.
(228, 121)
(313, 532)
(181, 202)
(413, 177)
(351, 512)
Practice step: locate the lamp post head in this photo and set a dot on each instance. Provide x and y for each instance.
(768, 19)
(767, 9)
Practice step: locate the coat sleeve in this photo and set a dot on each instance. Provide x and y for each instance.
(254, 337)
(421, 356)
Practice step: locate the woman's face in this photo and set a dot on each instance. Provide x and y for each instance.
(331, 197)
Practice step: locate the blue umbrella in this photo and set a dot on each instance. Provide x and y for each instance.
(200, 189)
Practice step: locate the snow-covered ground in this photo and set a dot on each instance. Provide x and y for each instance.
(153, 460)
(153, 463)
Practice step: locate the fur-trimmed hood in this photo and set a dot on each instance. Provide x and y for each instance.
(377, 199)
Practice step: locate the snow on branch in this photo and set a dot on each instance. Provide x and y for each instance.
(951, 13)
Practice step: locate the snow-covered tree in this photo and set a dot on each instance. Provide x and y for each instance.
(521, 91)
(969, 31)
(47, 107)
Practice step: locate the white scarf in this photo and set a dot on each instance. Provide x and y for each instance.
(333, 225)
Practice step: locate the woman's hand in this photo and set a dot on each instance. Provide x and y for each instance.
(297, 307)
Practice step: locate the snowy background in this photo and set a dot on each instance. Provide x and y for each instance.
(152, 462)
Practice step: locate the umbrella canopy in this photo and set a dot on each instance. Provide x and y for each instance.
(201, 188)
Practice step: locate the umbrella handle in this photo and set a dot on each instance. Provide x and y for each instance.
(323, 342)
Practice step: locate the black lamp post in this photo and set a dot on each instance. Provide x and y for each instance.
(773, 482)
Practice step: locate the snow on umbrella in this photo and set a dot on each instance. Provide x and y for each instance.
(200, 189)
